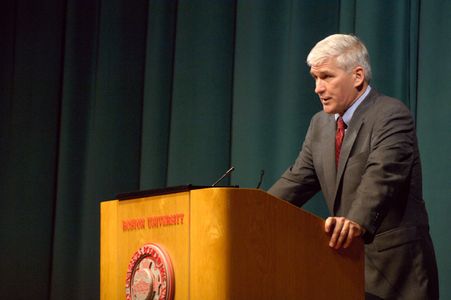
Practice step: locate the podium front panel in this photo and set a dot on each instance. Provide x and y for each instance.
(128, 225)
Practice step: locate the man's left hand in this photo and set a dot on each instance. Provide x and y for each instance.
(343, 231)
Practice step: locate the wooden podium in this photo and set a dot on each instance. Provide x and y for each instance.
(229, 243)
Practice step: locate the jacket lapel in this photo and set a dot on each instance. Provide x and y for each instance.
(328, 161)
(358, 119)
(348, 142)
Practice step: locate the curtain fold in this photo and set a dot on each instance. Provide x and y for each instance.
(199, 137)
(78, 94)
(434, 126)
(32, 42)
(158, 84)
(103, 97)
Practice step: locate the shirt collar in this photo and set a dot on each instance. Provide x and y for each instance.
(350, 111)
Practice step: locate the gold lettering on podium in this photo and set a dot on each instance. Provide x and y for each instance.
(153, 222)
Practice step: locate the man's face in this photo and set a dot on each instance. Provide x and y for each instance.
(336, 88)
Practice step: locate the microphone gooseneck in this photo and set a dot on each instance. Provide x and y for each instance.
(262, 173)
(224, 176)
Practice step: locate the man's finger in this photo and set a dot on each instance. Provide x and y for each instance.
(330, 222)
(336, 232)
(351, 235)
(355, 231)
(344, 235)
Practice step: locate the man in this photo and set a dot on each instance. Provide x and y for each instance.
(361, 152)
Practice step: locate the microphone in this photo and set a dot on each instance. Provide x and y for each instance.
(262, 173)
(224, 176)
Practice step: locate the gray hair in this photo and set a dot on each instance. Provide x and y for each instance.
(348, 51)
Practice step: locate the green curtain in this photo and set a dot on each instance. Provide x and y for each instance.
(102, 97)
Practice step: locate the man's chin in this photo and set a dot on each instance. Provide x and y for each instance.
(328, 110)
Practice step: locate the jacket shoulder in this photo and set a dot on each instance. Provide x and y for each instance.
(380, 105)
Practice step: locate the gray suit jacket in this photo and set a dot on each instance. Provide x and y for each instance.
(378, 185)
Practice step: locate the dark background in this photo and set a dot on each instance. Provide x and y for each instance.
(102, 97)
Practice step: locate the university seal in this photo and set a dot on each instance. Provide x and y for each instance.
(150, 275)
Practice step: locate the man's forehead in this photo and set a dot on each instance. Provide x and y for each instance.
(325, 66)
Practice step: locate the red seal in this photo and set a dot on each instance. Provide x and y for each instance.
(150, 275)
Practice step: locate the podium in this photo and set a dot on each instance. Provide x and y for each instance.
(227, 243)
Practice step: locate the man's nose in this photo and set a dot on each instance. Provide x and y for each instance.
(319, 86)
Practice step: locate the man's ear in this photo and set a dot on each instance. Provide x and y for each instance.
(359, 76)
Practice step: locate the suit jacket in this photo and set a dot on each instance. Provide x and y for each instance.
(378, 185)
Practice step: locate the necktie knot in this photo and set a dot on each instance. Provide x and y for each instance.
(341, 124)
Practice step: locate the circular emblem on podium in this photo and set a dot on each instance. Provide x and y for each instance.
(150, 275)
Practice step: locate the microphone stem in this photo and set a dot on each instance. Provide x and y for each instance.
(223, 176)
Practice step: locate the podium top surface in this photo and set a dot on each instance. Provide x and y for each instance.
(158, 191)
(163, 191)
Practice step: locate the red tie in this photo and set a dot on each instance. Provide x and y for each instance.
(339, 135)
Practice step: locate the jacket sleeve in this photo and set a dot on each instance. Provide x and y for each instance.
(388, 167)
(299, 182)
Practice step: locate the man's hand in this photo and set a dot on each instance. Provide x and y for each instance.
(343, 231)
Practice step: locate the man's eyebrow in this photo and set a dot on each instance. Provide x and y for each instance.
(322, 73)
(319, 73)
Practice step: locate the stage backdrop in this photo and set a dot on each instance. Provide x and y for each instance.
(101, 97)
